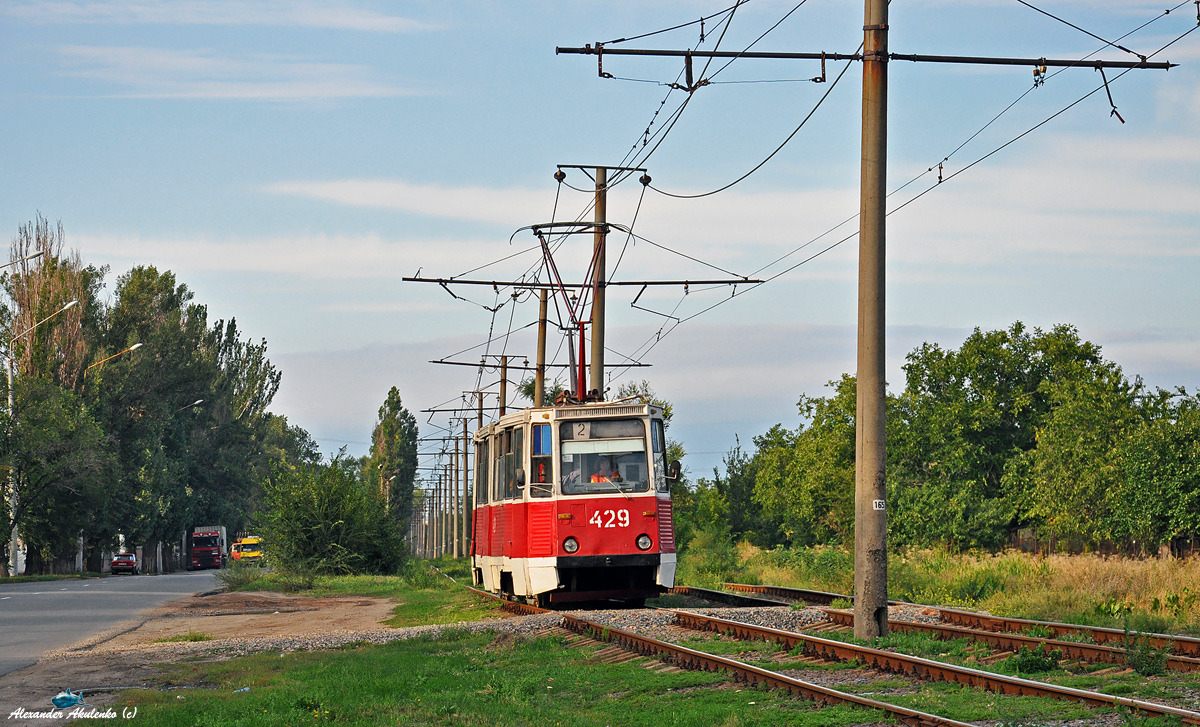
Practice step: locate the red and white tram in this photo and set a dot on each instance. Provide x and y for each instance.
(573, 503)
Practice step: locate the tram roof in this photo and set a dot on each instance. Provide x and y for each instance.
(590, 410)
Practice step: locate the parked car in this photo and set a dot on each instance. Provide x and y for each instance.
(125, 563)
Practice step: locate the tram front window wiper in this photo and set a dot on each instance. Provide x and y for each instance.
(616, 486)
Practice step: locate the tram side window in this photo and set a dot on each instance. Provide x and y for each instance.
(481, 473)
(659, 447)
(541, 483)
(498, 449)
(513, 457)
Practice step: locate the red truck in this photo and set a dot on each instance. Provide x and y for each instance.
(207, 547)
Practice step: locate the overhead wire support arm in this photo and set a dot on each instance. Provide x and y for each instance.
(512, 367)
(915, 57)
(552, 286)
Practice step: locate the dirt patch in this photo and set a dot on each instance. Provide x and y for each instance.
(246, 615)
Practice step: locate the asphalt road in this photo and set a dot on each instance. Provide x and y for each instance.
(38, 617)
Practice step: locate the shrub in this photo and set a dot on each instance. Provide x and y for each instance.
(323, 520)
(1033, 661)
(1141, 653)
(238, 575)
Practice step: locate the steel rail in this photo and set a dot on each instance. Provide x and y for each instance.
(729, 599)
(1092, 653)
(686, 658)
(1180, 645)
(923, 668)
(691, 659)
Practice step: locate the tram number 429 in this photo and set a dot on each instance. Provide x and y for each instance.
(610, 519)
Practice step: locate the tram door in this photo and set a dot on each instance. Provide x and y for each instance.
(540, 489)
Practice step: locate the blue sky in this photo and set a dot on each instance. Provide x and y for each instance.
(291, 161)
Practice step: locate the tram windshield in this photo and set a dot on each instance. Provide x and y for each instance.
(604, 456)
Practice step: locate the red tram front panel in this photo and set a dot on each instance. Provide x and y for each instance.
(565, 534)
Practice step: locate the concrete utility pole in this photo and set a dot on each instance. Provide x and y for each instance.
(539, 377)
(870, 475)
(457, 506)
(468, 509)
(598, 282)
(479, 419)
(503, 384)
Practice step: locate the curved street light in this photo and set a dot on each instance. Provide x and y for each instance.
(197, 402)
(134, 347)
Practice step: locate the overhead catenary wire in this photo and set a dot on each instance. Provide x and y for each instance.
(664, 331)
(770, 156)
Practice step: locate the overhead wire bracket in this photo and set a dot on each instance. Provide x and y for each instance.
(1110, 98)
(600, 61)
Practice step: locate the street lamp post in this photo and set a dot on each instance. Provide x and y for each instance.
(12, 480)
(134, 347)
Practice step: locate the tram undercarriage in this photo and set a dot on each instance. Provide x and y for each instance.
(577, 579)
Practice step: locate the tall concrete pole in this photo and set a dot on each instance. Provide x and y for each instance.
(438, 504)
(598, 282)
(479, 423)
(870, 476)
(468, 510)
(457, 505)
(539, 378)
(503, 384)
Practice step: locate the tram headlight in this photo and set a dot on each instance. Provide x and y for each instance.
(644, 542)
(570, 545)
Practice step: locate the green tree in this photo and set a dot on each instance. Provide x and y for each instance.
(805, 478)
(1065, 483)
(392, 467)
(1158, 496)
(60, 458)
(963, 417)
(549, 393)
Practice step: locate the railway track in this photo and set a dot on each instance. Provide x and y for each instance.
(828, 649)
(1185, 651)
(686, 658)
(893, 662)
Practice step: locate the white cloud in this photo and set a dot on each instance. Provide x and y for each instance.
(330, 15)
(510, 207)
(202, 74)
(317, 256)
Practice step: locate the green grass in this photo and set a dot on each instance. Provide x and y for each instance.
(465, 679)
(189, 636)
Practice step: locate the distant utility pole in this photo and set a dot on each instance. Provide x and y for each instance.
(598, 282)
(539, 377)
(468, 510)
(457, 506)
(870, 488)
(503, 384)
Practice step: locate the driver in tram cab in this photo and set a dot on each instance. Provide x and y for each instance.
(606, 472)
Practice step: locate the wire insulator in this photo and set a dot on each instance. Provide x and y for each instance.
(559, 176)
(645, 180)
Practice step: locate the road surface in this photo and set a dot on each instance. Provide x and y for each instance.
(38, 617)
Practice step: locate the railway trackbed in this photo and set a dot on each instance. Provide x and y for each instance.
(1181, 645)
(998, 632)
(831, 650)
